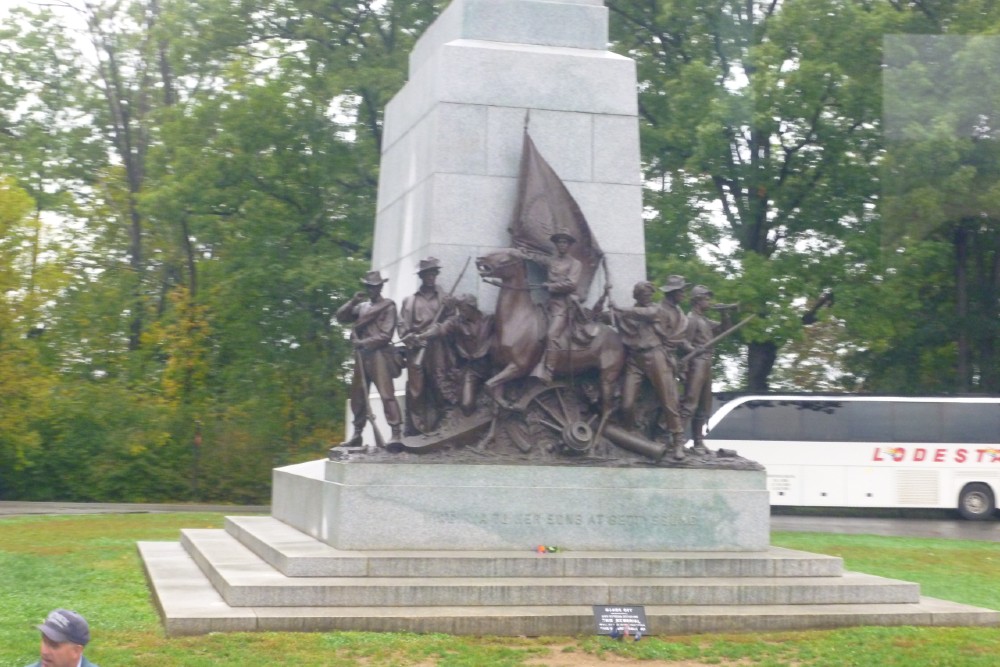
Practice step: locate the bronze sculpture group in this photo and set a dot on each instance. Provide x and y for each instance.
(560, 379)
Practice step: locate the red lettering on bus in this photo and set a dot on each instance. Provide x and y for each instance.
(982, 453)
(919, 454)
(939, 455)
(960, 456)
(877, 455)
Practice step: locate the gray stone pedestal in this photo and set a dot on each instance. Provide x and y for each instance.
(259, 574)
(360, 506)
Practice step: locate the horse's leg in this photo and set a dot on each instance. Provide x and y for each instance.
(495, 384)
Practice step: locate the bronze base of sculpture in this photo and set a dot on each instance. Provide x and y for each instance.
(538, 424)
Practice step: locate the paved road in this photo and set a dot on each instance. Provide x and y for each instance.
(18, 508)
(955, 529)
(949, 528)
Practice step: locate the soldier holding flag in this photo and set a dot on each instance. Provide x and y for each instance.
(547, 215)
(563, 275)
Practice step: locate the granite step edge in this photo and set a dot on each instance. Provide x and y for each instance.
(296, 554)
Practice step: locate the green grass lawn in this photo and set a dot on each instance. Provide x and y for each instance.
(89, 563)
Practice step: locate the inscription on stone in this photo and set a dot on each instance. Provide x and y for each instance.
(650, 521)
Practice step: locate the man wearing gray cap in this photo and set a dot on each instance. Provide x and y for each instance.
(64, 634)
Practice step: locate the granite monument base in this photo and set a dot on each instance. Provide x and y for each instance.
(411, 506)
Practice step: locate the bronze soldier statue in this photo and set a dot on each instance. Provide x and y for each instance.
(671, 327)
(374, 322)
(696, 404)
(563, 275)
(472, 336)
(648, 355)
(429, 359)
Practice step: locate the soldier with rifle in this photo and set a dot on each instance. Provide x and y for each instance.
(670, 326)
(701, 334)
(375, 360)
(428, 387)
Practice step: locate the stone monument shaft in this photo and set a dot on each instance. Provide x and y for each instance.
(453, 137)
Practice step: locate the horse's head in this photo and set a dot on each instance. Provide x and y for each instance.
(502, 264)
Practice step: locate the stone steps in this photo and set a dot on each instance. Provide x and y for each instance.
(296, 554)
(232, 580)
(190, 605)
(244, 579)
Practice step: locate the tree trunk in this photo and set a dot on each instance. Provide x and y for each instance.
(760, 361)
(989, 366)
(138, 268)
(189, 257)
(963, 373)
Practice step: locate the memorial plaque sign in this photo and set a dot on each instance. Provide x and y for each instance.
(619, 620)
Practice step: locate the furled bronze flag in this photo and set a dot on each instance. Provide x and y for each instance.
(545, 206)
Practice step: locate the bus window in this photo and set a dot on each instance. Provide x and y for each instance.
(738, 424)
(823, 421)
(781, 421)
(867, 422)
(975, 423)
(916, 422)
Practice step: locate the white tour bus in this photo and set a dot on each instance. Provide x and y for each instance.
(869, 451)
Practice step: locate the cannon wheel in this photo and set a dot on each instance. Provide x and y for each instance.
(547, 420)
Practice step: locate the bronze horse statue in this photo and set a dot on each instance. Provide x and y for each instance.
(520, 334)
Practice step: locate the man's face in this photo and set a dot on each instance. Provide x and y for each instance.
(644, 296)
(374, 291)
(702, 303)
(675, 296)
(562, 245)
(428, 278)
(55, 654)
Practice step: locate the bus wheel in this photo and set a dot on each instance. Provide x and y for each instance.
(976, 502)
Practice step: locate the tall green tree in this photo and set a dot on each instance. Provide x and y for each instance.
(942, 192)
(760, 140)
(24, 383)
(273, 176)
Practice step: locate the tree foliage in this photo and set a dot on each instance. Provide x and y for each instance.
(761, 129)
(942, 194)
(217, 194)
(24, 383)
(763, 142)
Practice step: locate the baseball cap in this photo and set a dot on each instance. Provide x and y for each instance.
(63, 625)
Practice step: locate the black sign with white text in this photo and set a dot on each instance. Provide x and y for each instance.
(618, 620)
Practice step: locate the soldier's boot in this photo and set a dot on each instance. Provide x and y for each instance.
(678, 444)
(395, 444)
(356, 439)
(698, 434)
(543, 371)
